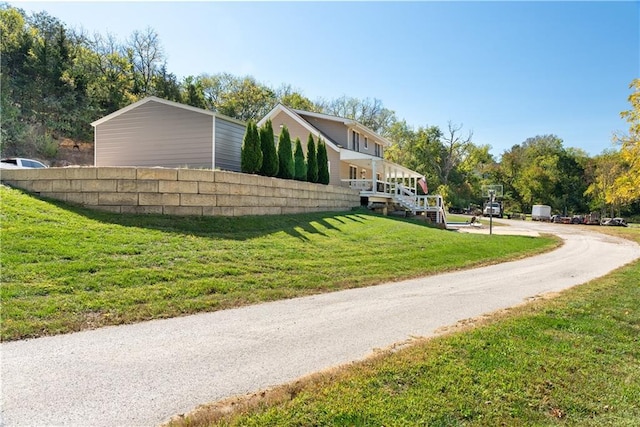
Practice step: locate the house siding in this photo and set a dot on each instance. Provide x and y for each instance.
(334, 130)
(296, 130)
(155, 134)
(228, 144)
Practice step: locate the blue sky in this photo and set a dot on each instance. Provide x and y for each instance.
(506, 70)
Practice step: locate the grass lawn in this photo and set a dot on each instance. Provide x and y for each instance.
(66, 268)
(573, 360)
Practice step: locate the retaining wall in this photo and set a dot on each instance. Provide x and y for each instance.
(180, 191)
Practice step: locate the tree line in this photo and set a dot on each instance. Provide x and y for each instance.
(55, 81)
(260, 156)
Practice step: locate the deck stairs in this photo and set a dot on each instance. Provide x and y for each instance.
(429, 206)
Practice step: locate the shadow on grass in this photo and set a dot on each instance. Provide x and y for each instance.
(236, 228)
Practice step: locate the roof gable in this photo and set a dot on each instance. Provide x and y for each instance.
(347, 122)
(294, 115)
(165, 102)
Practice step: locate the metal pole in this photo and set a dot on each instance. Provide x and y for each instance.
(491, 198)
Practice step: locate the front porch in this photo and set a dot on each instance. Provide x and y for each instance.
(383, 183)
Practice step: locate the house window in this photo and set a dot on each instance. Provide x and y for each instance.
(355, 136)
(353, 172)
(378, 150)
(366, 143)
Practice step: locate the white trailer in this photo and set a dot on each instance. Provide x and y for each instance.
(541, 213)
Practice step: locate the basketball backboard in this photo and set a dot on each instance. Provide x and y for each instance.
(494, 190)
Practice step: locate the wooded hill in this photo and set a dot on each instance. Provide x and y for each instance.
(57, 80)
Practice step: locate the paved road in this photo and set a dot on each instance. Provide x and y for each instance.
(143, 374)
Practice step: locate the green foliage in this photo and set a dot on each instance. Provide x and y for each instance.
(193, 93)
(286, 168)
(243, 98)
(323, 163)
(251, 154)
(66, 268)
(299, 164)
(542, 171)
(270, 164)
(312, 160)
(166, 85)
(627, 185)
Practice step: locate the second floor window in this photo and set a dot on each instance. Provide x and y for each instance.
(366, 143)
(355, 136)
(378, 150)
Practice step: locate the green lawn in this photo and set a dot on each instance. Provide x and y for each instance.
(66, 268)
(573, 361)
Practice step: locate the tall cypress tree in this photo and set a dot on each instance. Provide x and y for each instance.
(251, 154)
(312, 160)
(269, 153)
(323, 163)
(285, 155)
(300, 173)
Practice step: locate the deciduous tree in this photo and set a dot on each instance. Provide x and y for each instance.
(627, 185)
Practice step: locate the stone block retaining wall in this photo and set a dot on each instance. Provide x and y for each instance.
(180, 191)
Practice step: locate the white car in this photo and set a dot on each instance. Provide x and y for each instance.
(20, 163)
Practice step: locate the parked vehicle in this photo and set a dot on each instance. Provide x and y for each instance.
(20, 163)
(615, 222)
(493, 209)
(541, 213)
(592, 219)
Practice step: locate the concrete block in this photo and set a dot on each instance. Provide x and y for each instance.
(10, 175)
(48, 173)
(157, 173)
(182, 210)
(213, 188)
(122, 199)
(81, 173)
(55, 196)
(83, 198)
(159, 199)
(240, 189)
(226, 200)
(284, 192)
(142, 210)
(292, 210)
(116, 173)
(99, 185)
(197, 200)
(178, 187)
(22, 185)
(226, 176)
(41, 186)
(217, 211)
(137, 186)
(105, 208)
(247, 210)
(195, 175)
(67, 185)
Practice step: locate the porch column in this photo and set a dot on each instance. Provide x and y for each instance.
(374, 177)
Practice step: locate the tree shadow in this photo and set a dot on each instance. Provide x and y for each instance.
(234, 228)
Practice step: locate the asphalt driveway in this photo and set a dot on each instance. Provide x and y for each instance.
(143, 374)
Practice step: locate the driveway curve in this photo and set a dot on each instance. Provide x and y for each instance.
(145, 373)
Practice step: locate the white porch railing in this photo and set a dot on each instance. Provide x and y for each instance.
(402, 195)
